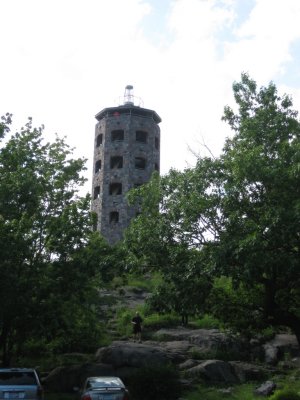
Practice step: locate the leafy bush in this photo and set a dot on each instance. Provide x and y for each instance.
(285, 394)
(117, 281)
(158, 382)
(123, 319)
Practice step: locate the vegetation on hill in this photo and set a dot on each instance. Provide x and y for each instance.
(51, 265)
(225, 234)
(220, 238)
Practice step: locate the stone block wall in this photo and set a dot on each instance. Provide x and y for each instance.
(126, 152)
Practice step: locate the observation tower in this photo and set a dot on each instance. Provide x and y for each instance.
(126, 152)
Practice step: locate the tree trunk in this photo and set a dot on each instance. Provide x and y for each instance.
(184, 319)
(278, 316)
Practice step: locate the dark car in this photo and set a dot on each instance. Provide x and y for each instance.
(20, 383)
(104, 388)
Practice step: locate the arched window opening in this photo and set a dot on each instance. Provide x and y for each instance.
(115, 189)
(141, 136)
(96, 192)
(117, 135)
(156, 142)
(99, 139)
(116, 162)
(97, 166)
(156, 167)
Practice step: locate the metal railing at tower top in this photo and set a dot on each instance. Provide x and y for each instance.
(129, 99)
(132, 100)
(141, 112)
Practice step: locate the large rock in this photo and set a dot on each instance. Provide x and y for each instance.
(271, 354)
(282, 344)
(248, 372)
(126, 354)
(266, 389)
(207, 340)
(213, 371)
(188, 364)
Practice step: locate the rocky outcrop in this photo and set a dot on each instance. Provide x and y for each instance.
(204, 341)
(279, 346)
(209, 339)
(213, 371)
(184, 348)
(246, 372)
(266, 389)
(127, 354)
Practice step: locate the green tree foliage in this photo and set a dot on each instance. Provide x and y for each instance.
(259, 242)
(48, 265)
(239, 212)
(158, 239)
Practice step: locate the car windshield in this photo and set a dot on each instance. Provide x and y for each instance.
(17, 378)
(96, 383)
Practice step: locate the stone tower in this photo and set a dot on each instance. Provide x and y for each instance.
(126, 152)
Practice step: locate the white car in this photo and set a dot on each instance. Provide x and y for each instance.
(20, 383)
(104, 388)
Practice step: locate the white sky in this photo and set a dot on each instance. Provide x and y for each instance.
(63, 61)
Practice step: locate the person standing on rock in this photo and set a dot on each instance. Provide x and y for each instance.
(137, 327)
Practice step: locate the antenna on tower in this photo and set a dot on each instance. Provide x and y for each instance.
(128, 95)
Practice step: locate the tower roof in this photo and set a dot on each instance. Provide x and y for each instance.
(128, 109)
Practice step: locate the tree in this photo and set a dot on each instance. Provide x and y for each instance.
(185, 285)
(46, 285)
(239, 211)
(259, 242)
(158, 240)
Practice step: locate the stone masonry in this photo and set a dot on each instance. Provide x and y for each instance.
(126, 152)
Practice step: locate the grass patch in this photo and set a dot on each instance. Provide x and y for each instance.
(157, 321)
(206, 322)
(123, 322)
(241, 392)
(144, 282)
(150, 323)
(285, 383)
(285, 394)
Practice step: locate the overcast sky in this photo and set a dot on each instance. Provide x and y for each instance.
(63, 61)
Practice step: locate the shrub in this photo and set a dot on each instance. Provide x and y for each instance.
(117, 281)
(158, 382)
(207, 322)
(124, 326)
(285, 394)
(157, 321)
